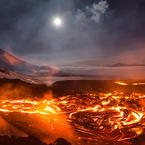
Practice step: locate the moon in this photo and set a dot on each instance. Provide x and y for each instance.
(57, 22)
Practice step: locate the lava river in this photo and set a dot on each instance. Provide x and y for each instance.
(103, 116)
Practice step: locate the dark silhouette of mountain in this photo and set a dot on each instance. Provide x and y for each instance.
(124, 65)
(8, 74)
(9, 61)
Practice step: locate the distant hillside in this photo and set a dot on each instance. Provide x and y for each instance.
(15, 88)
(8, 74)
(124, 65)
(9, 61)
(72, 86)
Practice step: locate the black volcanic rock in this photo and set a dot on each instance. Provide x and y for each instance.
(18, 89)
(73, 86)
(6, 140)
(1, 51)
(61, 141)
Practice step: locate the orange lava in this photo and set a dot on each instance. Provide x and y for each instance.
(108, 116)
(129, 83)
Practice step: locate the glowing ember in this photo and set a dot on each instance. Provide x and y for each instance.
(108, 116)
(130, 83)
(121, 83)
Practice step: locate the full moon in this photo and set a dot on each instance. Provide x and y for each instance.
(57, 22)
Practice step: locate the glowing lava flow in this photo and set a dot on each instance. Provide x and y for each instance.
(121, 83)
(110, 116)
(129, 83)
(29, 106)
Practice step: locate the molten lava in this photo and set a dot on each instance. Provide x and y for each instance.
(108, 116)
(130, 83)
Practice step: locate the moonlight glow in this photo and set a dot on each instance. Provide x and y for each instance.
(57, 22)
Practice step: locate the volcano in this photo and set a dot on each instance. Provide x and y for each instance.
(11, 62)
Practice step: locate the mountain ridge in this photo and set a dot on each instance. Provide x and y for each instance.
(11, 62)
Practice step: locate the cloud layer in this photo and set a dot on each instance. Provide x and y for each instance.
(102, 32)
(92, 13)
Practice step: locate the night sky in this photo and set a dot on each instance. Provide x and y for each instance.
(94, 32)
